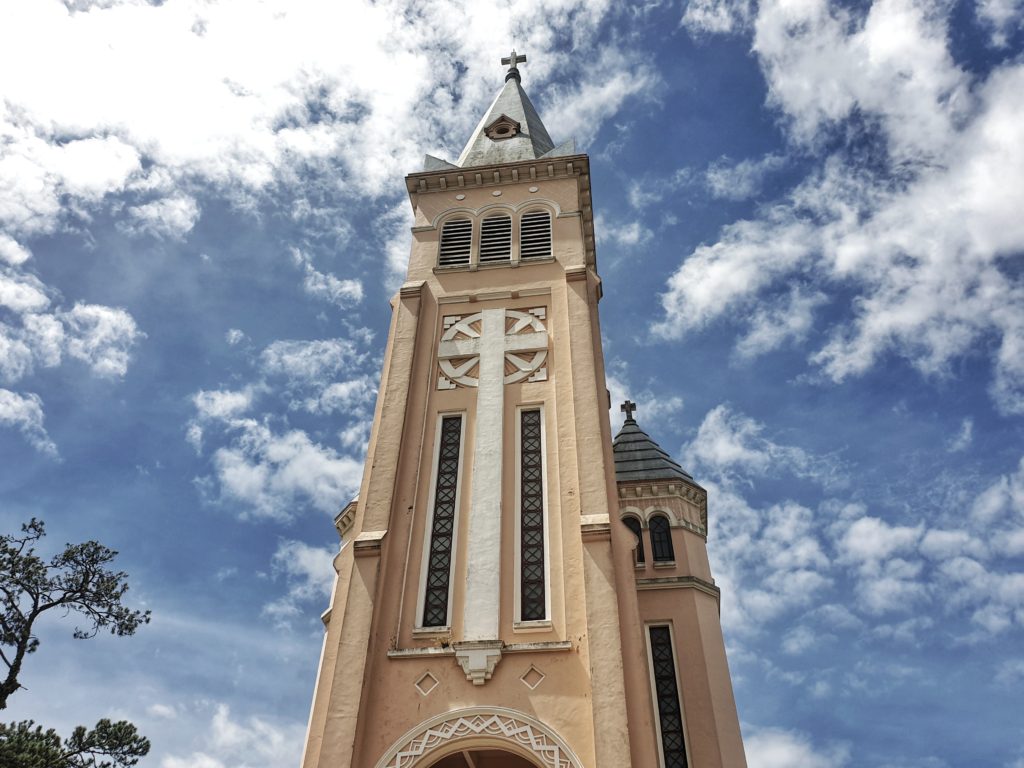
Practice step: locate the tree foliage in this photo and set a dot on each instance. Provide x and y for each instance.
(108, 745)
(76, 580)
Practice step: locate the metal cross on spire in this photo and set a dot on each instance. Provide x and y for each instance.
(627, 408)
(512, 61)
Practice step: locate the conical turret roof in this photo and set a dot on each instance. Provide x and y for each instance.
(530, 139)
(510, 131)
(638, 457)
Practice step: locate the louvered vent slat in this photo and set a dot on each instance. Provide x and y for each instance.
(496, 239)
(535, 235)
(456, 239)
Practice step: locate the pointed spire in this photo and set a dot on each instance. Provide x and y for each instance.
(638, 457)
(511, 130)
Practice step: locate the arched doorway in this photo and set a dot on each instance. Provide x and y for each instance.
(484, 758)
(509, 739)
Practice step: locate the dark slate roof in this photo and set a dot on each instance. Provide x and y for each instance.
(637, 457)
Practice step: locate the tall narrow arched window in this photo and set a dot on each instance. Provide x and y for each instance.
(442, 523)
(638, 551)
(496, 239)
(456, 240)
(535, 235)
(661, 539)
(532, 587)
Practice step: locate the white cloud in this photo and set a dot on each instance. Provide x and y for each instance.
(234, 336)
(652, 407)
(25, 413)
(800, 639)
(742, 180)
(1003, 498)
(309, 574)
(772, 324)
(252, 742)
(12, 251)
(162, 711)
(1002, 17)
(728, 443)
(716, 16)
(395, 224)
(268, 474)
(580, 111)
(779, 748)
(343, 396)
(342, 293)
(172, 217)
(102, 337)
(964, 437)
(870, 540)
(308, 362)
(915, 240)
(222, 404)
(21, 292)
(626, 235)
(202, 104)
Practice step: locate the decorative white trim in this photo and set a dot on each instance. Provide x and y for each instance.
(489, 725)
(518, 625)
(418, 627)
(524, 346)
(517, 208)
(654, 690)
(478, 659)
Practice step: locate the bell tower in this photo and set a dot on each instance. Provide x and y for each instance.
(513, 589)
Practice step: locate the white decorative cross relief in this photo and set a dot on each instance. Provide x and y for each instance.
(488, 350)
(525, 346)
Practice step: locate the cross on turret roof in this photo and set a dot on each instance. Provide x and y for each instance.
(512, 61)
(627, 408)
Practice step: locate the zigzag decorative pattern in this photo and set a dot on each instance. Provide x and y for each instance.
(501, 726)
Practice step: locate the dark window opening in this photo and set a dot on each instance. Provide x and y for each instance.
(533, 603)
(439, 558)
(670, 716)
(638, 551)
(661, 539)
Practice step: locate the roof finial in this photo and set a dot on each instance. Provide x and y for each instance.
(513, 70)
(627, 408)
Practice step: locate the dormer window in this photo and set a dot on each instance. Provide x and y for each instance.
(502, 128)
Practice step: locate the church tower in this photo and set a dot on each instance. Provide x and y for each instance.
(513, 588)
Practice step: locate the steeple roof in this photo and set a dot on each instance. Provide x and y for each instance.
(510, 131)
(638, 457)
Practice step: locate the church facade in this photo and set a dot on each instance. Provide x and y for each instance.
(514, 587)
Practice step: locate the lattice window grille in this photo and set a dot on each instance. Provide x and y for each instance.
(439, 557)
(496, 239)
(535, 235)
(456, 241)
(638, 551)
(661, 539)
(533, 602)
(670, 716)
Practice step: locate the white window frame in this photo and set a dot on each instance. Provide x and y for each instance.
(421, 599)
(654, 689)
(534, 625)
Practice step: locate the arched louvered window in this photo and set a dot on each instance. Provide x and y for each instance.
(496, 239)
(456, 239)
(638, 552)
(535, 235)
(661, 539)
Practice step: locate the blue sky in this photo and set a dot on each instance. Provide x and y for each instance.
(810, 229)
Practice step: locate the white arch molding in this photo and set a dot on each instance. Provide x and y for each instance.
(492, 727)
